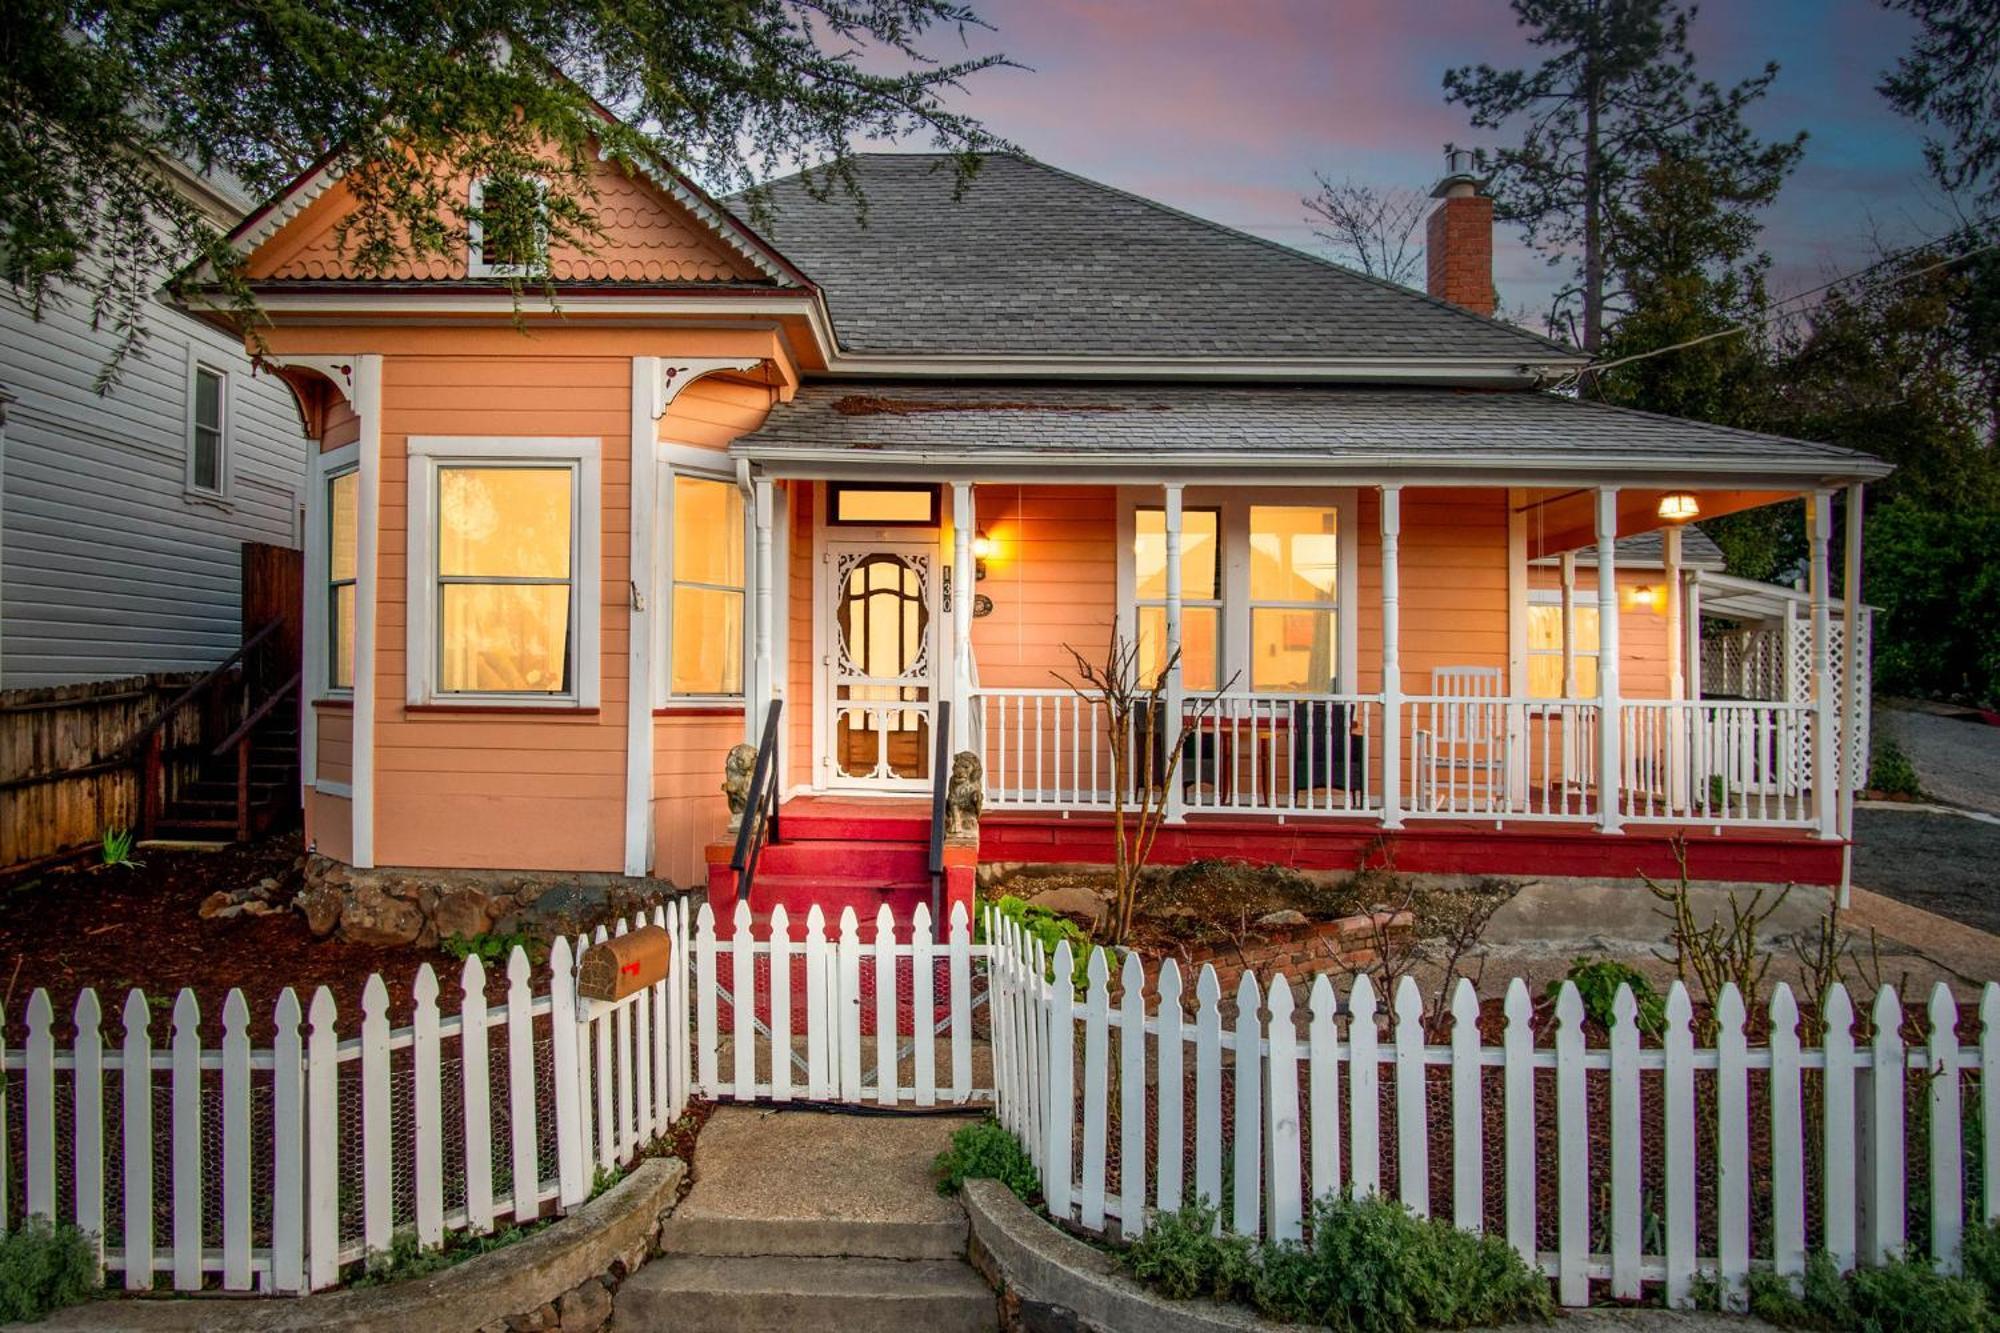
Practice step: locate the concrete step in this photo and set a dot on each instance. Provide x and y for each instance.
(749, 1294)
(813, 1238)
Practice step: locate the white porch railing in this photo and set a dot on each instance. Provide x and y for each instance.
(1289, 754)
(1716, 762)
(1720, 763)
(1501, 758)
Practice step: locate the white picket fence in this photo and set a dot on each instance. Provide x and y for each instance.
(1277, 1107)
(799, 1011)
(330, 1144)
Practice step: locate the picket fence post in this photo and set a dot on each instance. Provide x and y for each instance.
(886, 1093)
(1325, 1078)
(743, 1004)
(322, 1143)
(520, 1088)
(476, 1081)
(428, 1141)
(1285, 1216)
(1096, 1033)
(923, 1008)
(706, 1078)
(235, 1142)
(88, 1090)
(187, 1162)
(1167, 1061)
(1572, 1168)
(1788, 1177)
(572, 1146)
(1625, 1131)
(1947, 1139)
(1838, 1128)
(847, 1005)
(1732, 1143)
(1885, 1125)
(288, 1175)
(1678, 1116)
(1132, 1097)
(1518, 1052)
(1249, 1126)
(1364, 1090)
(1208, 1090)
(1413, 1139)
(136, 1108)
(1057, 1181)
(1468, 1136)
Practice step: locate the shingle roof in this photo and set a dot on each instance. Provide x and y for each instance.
(1032, 260)
(1136, 423)
(1698, 551)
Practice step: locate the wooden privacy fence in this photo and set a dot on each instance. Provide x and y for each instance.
(67, 772)
(275, 1166)
(838, 1018)
(1625, 1163)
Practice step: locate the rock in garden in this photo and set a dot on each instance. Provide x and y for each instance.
(266, 887)
(256, 907)
(586, 1309)
(1283, 917)
(373, 917)
(320, 905)
(464, 911)
(217, 904)
(1072, 901)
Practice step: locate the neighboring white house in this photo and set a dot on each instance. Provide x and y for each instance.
(122, 514)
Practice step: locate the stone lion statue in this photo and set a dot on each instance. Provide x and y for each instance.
(737, 770)
(965, 798)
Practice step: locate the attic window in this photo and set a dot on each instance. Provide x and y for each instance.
(507, 230)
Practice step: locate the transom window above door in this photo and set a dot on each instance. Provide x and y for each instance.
(853, 505)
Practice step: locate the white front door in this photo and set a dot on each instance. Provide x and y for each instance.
(880, 669)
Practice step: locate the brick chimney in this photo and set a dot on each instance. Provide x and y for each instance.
(1458, 238)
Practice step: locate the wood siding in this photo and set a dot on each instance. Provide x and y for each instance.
(689, 811)
(1053, 578)
(108, 565)
(1642, 625)
(503, 790)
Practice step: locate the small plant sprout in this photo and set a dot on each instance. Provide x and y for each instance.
(117, 847)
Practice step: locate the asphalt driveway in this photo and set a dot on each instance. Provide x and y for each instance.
(1943, 863)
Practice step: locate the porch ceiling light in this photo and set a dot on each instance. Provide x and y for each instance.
(1679, 507)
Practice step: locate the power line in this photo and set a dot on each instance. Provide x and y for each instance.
(1776, 308)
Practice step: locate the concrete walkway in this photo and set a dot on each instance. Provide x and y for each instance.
(800, 1219)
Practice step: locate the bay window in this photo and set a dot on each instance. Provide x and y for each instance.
(708, 581)
(503, 571)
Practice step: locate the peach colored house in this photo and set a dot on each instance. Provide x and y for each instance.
(868, 471)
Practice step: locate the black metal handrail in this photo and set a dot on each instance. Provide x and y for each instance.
(940, 793)
(760, 810)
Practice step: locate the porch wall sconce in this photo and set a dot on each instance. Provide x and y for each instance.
(1645, 595)
(982, 548)
(1679, 507)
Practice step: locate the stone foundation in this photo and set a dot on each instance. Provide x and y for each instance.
(395, 905)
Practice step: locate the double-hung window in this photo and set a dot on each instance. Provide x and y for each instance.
(706, 634)
(342, 571)
(1263, 577)
(503, 571)
(1201, 595)
(1294, 598)
(208, 430)
(1545, 645)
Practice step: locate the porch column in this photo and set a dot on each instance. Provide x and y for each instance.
(762, 676)
(964, 587)
(1852, 636)
(368, 554)
(1679, 721)
(1569, 624)
(1608, 723)
(1819, 518)
(1167, 729)
(1392, 659)
(1691, 634)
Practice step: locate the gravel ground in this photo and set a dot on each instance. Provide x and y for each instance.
(1947, 864)
(1958, 761)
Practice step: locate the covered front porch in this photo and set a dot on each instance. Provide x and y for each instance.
(1353, 651)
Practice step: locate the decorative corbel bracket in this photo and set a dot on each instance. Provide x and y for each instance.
(676, 374)
(338, 370)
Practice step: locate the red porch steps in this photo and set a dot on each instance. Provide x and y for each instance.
(841, 853)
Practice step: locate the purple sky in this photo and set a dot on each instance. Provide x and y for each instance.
(1227, 109)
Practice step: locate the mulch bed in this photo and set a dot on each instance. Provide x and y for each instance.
(117, 927)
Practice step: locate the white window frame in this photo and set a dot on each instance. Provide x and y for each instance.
(197, 366)
(705, 465)
(1553, 597)
(1217, 603)
(1233, 534)
(475, 233)
(428, 453)
(318, 637)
